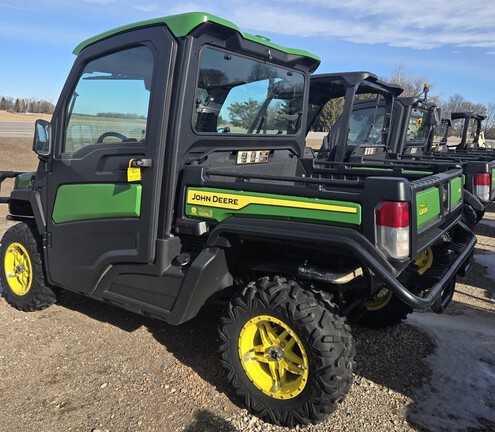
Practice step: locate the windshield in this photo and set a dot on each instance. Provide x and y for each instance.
(241, 95)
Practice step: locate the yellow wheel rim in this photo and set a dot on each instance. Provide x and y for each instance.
(18, 269)
(273, 357)
(381, 300)
(424, 261)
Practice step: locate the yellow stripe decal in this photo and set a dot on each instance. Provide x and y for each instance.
(237, 202)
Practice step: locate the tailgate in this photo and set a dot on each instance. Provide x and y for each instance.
(436, 207)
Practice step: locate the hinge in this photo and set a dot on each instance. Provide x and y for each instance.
(46, 240)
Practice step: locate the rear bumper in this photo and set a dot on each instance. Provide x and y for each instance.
(474, 201)
(360, 247)
(463, 254)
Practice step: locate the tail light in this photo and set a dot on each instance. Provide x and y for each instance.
(482, 186)
(392, 228)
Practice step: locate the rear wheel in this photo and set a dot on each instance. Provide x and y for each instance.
(384, 310)
(22, 277)
(286, 351)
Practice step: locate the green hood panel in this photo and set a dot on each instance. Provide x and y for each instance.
(219, 204)
(25, 180)
(78, 202)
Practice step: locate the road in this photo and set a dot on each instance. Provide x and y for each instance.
(16, 129)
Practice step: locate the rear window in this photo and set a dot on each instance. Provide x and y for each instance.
(240, 95)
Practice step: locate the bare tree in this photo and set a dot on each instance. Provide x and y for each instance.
(21, 105)
(490, 121)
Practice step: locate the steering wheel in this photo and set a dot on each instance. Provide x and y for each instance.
(113, 134)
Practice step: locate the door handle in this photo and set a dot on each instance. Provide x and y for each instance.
(140, 163)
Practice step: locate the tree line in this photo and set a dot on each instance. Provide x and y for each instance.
(22, 105)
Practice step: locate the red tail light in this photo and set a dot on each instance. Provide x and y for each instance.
(482, 186)
(392, 228)
(394, 214)
(482, 179)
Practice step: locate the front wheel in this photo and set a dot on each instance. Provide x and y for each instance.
(22, 277)
(286, 351)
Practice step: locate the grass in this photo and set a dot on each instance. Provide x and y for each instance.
(27, 118)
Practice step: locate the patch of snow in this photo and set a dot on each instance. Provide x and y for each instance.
(461, 389)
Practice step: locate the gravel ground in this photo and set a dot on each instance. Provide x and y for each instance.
(86, 366)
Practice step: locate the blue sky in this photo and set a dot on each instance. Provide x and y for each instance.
(450, 42)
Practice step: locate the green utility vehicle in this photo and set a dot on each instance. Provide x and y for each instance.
(469, 125)
(173, 173)
(414, 121)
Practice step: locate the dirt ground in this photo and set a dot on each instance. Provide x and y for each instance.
(81, 365)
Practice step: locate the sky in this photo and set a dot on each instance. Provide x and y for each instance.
(449, 42)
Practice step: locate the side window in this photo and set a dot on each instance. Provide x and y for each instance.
(111, 100)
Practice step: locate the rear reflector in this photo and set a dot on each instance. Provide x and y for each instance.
(482, 186)
(392, 228)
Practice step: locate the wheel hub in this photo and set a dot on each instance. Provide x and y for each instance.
(275, 353)
(273, 357)
(424, 261)
(18, 269)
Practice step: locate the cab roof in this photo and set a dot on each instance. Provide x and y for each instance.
(183, 24)
(334, 85)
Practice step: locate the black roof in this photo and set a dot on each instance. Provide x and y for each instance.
(333, 85)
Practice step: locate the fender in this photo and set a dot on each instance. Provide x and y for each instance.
(34, 199)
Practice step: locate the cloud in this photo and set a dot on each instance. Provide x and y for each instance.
(421, 25)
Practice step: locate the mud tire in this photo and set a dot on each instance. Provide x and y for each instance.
(37, 295)
(326, 339)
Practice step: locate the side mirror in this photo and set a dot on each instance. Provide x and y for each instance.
(42, 144)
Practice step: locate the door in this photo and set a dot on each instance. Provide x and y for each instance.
(110, 116)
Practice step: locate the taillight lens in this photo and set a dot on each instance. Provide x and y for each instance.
(392, 228)
(482, 185)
